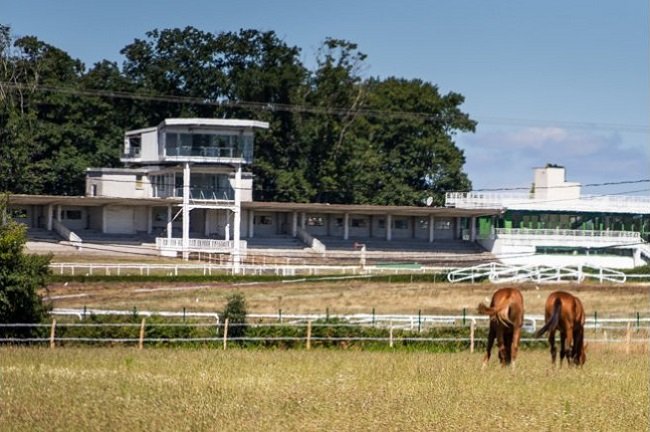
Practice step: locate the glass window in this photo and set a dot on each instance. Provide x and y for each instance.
(401, 224)
(381, 223)
(262, 220)
(359, 223)
(72, 214)
(315, 221)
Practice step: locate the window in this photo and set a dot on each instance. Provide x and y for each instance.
(263, 220)
(315, 221)
(19, 213)
(443, 225)
(138, 182)
(93, 190)
(338, 222)
(381, 223)
(401, 224)
(359, 223)
(423, 224)
(72, 214)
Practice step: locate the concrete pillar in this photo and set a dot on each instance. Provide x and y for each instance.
(206, 222)
(294, 224)
(149, 220)
(389, 227)
(186, 211)
(170, 215)
(431, 228)
(346, 226)
(50, 216)
(303, 220)
(236, 259)
(251, 223)
(472, 228)
(104, 221)
(58, 213)
(458, 228)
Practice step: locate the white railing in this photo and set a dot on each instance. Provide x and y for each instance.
(199, 245)
(563, 236)
(609, 203)
(66, 233)
(310, 240)
(502, 273)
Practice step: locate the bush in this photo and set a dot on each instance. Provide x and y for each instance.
(235, 313)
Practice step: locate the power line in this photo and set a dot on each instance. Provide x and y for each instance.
(339, 111)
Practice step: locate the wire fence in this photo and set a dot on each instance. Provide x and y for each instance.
(451, 332)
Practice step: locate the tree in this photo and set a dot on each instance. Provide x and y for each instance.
(21, 276)
(235, 313)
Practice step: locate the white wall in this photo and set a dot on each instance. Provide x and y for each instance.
(149, 143)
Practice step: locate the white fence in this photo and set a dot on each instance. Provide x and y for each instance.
(501, 273)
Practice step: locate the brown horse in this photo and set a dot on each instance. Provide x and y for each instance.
(565, 312)
(506, 313)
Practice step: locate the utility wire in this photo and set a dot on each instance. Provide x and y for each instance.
(339, 111)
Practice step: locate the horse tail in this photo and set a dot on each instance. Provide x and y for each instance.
(500, 313)
(552, 323)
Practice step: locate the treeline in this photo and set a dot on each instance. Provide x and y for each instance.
(334, 136)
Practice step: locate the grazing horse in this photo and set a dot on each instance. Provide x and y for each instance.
(565, 312)
(506, 313)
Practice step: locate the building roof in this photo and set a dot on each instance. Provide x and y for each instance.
(214, 122)
(366, 209)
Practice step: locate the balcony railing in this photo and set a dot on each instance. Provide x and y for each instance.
(196, 193)
(560, 236)
(207, 152)
(523, 201)
(199, 245)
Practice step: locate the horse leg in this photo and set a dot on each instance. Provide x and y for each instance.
(516, 335)
(490, 342)
(501, 343)
(569, 346)
(507, 341)
(551, 342)
(562, 345)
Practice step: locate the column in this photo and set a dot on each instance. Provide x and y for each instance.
(346, 226)
(149, 220)
(389, 227)
(50, 211)
(237, 223)
(303, 220)
(206, 222)
(294, 224)
(459, 226)
(186, 211)
(431, 228)
(58, 213)
(170, 225)
(472, 228)
(251, 223)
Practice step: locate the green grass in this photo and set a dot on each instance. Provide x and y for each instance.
(248, 390)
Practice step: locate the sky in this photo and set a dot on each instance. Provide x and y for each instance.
(561, 82)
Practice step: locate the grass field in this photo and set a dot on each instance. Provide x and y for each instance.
(195, 390)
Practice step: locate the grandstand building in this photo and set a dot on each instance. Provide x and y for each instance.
(185, 189)
(554, 224)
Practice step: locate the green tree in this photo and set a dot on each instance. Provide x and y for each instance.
(235, 313)
(21, 276)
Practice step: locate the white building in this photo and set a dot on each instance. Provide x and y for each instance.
(555, 225)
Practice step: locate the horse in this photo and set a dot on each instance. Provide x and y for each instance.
(564, 311)
(506, 313)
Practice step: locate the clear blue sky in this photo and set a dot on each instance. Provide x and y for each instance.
(551, 81)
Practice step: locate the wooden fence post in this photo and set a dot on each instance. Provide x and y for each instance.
(225, 334)
(52, 333)
(308, 334)
(141, 340)
(471, 335)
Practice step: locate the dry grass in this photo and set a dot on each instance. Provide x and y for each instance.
(352, 296)
(125, 389)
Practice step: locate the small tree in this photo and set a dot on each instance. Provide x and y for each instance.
(21, 275)
(235, 312)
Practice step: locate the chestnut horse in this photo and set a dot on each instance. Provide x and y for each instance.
(564, 311)
(506, 313)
